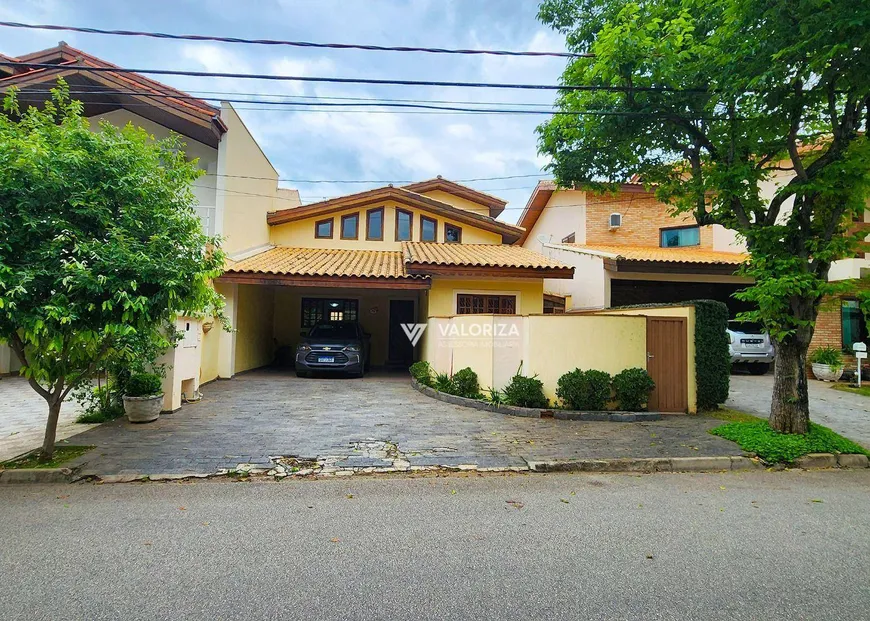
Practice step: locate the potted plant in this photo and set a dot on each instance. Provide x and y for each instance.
(143, 398)
(827, 363)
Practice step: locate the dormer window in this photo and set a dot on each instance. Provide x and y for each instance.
(428, 229)
(323, 229)
(350, 226)
(452, 234)
(404, 225)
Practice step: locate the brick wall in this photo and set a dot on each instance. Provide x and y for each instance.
(642, 219)
(829, 326)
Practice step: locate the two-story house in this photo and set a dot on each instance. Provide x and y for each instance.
(383, 257)
(238, 188)
(627, 249)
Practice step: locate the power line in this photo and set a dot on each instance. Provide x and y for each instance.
(278, 42)
(328, 106)
(334, 80)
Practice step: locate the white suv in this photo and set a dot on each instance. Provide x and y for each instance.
(750, 347)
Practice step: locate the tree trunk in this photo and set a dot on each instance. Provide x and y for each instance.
(790, 407)
(50, 430)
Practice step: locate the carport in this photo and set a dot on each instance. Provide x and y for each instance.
(275, 296)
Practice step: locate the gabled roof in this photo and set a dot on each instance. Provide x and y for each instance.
(429, 258)
(158, 102)
(541, 196)
(509, 232)
(409, 267)
(495, 204)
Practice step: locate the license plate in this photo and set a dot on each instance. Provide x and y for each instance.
(326, 359)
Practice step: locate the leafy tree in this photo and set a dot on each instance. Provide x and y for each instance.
(709, 101)
(100, 246)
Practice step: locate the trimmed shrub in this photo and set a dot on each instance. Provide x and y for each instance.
(830, 356)
(465, 384)
(144, 385)
(633, 387)
(712, 359)
(525, 392)
(422, 372)
(443, 383)
(584, 390)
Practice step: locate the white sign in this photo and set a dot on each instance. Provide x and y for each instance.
(859, 347)
(860, 355)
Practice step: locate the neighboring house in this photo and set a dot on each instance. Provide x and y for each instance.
(627, 249)
(384, 257)
(234, 195)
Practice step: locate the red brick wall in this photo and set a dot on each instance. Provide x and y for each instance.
(829, 326)
(642, 219)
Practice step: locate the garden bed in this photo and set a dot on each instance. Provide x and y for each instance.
(510, 410)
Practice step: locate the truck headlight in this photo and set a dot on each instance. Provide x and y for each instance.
(303, 347)
(352, 348)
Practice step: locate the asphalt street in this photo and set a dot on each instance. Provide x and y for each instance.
(762, 545)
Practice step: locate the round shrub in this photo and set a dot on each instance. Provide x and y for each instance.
(144, 385)
(584, 390)
(525, 392)
(422, 372)
(633, 387)
(465, 384)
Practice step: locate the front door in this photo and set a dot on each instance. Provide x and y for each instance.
(667, 353)
(401, 352)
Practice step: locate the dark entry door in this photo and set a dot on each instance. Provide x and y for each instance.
(401, 352)
(667, 363)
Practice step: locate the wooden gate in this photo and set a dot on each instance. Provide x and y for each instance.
(667, 363)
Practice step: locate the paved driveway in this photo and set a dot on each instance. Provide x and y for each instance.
(22, 418)
(264, 414)
(844, 412)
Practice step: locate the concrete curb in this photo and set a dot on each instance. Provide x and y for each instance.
(36, 475)
(510, 410)
(649, 464)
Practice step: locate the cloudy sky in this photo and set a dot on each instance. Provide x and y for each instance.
(340, 145)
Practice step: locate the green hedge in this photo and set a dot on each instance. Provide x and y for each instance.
(712, 360)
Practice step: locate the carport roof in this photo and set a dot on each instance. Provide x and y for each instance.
(669, 255)
(409, 267)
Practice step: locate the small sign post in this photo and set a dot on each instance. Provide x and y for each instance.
(860, 350)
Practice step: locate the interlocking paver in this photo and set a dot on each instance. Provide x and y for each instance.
(23, 414)
(266, 413)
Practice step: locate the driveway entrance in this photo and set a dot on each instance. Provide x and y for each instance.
(265, 414)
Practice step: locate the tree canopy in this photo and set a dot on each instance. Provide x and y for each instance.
(100, 245)
(750, 114)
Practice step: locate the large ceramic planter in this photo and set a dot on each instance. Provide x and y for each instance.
(143, 409)
(826, 373)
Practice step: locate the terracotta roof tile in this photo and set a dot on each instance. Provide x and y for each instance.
(667, 255)
(475, 255)
(325, 262)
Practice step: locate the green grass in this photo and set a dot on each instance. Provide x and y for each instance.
(757, 437)
(62, 454)
(864, 390)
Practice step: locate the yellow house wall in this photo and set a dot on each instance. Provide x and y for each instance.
(442, 295)
(496, 346)
(210, 348)
(558, 344)
(374, 314)
(254, 319)
(674, 311)
(457, 201)
(300, 233)
(244, 202)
